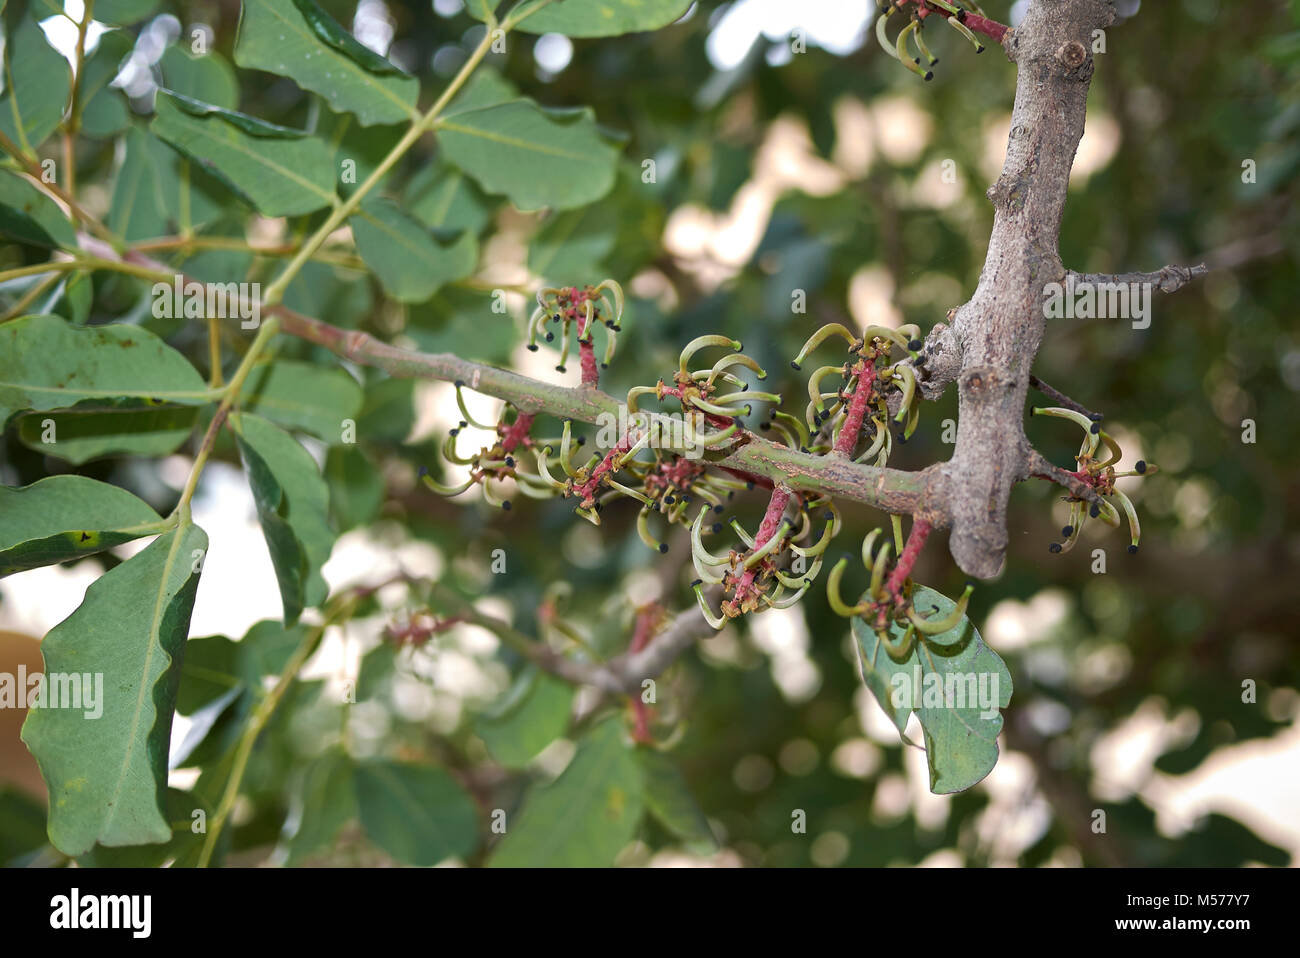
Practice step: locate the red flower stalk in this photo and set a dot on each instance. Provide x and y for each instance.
(587, 489)
(916, 537)
(517, 432)
(746, 592)
(857, 411)
(990, 28)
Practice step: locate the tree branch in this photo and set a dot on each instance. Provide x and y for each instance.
(891, 490)
(1061, 399)
(1170, 279)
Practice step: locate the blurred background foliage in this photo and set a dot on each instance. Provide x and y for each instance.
(837, 173)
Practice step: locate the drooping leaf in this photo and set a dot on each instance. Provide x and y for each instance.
(669, 800)
(535, 157)
(293, 508)
(956, 685)
(416, 813)
(599, 18)
(411, 262)
(29, 216)
(282, 172)
(37, 81)
(45, 363)
(107, 775)
(534, 714)
(302, 395)
(325, 801)
(64, 517)
(586, 816)
(297, 39)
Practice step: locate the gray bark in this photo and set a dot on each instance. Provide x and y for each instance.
(997, 333)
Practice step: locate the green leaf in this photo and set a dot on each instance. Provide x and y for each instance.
(325, 801)
(389, 411)
(37, 80)
(71, 298)
(182, 849)
(302, 395)
(47, 364)
(536, 157)
(293, 508)
(534, 714)
(587, 815)
(573, 244)
(487, 87)
(105, 62)
(209, 671)
(462, 321)
(356, 486)
(155, 187)
(29, 216)
(410, 262)
(280, 171)
(331, 293)
(215, 664)
(64, 517)
(599, 18)
(107, 430)
(953, 681)
(441, 196)
(417, 814)
(123, 11)
(22, 825)
(140, 209)
(205, 77)
(299, 40)
(105, 113)
(669, 800)
(378, 669)
(107, 775)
